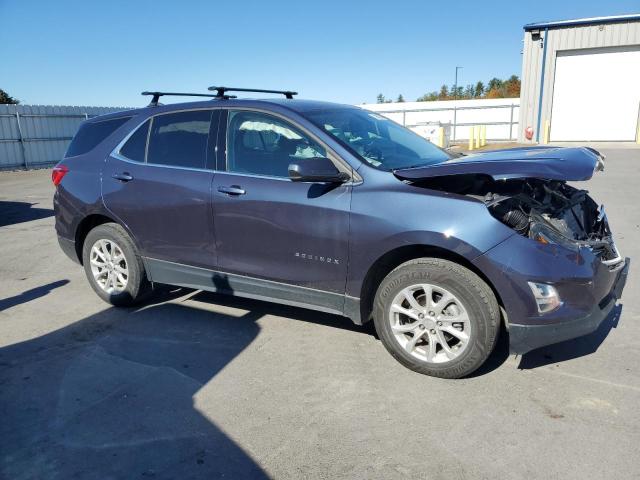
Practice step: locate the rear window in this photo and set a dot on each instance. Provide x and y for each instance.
(91, 134)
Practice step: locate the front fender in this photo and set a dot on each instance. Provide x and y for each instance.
(387, 217)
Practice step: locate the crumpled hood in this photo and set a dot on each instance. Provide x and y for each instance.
(549, 163)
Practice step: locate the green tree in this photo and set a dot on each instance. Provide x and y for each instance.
(400, 99)
(428, 97)
(496, 88)
(456, 92)
(6, 98)
(469, 92)
(512, 86)
(380, 98)
(494, 84)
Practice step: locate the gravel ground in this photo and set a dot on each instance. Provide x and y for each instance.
(197, 385)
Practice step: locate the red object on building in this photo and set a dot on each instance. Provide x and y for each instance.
(528, 132)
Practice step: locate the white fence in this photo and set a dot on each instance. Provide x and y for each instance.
(34, 136)
(500, 116)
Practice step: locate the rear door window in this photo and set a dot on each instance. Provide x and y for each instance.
(180, 139)
(90, 134)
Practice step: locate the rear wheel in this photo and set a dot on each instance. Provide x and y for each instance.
(437, 317)
(113, 267)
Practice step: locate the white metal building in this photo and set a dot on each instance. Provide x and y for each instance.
(581, 80)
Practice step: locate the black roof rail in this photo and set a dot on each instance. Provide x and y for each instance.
(221, 91)
(157, 95)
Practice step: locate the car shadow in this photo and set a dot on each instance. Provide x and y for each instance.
(570, 349)
(30, 294)
(113, 396)
(280, 310)
(19, 212)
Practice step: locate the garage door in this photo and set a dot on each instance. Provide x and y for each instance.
(596, 96)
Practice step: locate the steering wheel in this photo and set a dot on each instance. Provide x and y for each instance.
(370, 150)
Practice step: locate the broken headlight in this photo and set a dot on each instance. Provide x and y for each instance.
(543, 233)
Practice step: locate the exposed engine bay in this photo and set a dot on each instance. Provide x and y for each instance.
(548, 211)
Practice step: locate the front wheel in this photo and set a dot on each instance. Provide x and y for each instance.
(437, 317)
(113, 267)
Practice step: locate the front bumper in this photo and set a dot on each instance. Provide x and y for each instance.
(524, 338)
(588, 289)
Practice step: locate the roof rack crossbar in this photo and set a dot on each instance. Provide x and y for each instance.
(221, 91)
(157, 95)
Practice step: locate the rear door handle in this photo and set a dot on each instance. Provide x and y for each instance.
(232, 190)
(123, 177)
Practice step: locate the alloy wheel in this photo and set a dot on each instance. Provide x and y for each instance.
(109, 266)
(430, 323)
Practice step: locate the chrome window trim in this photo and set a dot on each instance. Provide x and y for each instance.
(159, 165)
(342, 165)
(115, 153)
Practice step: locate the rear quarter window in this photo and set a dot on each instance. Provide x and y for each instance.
(91, 134)
(136, 146)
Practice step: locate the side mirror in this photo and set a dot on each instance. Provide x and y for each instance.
(317, 170)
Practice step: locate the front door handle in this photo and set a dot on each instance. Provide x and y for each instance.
(123, 177)
(232, 190)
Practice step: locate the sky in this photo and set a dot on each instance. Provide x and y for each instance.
(104, 53)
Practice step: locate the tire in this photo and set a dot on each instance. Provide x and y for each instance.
(112, 238)
(461, 302)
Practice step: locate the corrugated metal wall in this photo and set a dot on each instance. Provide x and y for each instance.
(34, 136)
(577, 37)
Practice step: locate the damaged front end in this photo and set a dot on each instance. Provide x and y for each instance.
(559, 275)
(547, 211)
(526, 190)
(552, 212)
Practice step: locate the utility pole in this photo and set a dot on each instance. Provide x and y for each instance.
(455, 86)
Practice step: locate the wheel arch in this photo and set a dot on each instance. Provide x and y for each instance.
(396, 257)
(87, 224)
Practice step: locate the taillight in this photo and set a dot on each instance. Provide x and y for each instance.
(58, 173)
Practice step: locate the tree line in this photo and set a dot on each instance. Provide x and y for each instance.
(495, 88)
(5, 98)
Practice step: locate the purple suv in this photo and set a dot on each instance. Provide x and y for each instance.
(338, 209)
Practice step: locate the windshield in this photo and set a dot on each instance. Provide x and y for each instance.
(376, 139)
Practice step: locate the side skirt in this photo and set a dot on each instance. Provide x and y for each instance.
(161, 271)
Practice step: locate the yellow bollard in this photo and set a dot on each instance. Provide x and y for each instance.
(545, 138)
(471, 135)
(478, 136)
(638, 134)
(483, 135)
(441, 137)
